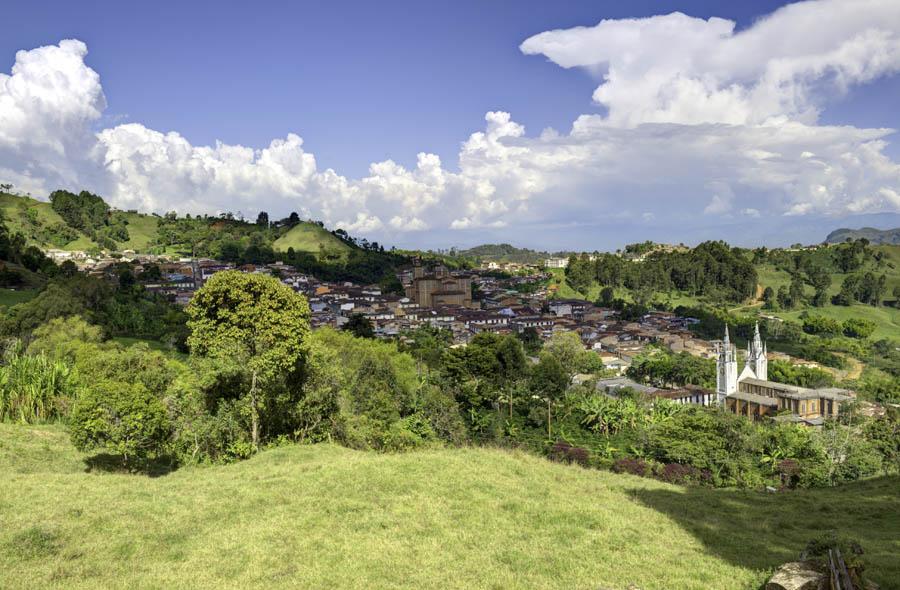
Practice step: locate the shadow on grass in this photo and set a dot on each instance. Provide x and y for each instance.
(108, 463)
(761, 531)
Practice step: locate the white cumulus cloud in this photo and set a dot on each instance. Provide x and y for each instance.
(701, 121)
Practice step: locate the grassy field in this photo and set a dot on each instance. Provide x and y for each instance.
(10, 297)
(142, 232)
(328, 517)
(564, 291)
(307, 237)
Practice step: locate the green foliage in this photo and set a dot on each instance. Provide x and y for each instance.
(259, 324)
(34, 388)
(123, 419)
(427, 344)
(879, 386)
(549, 378)
(88, 213)
(360, 326)
(822, 326)
(580, 273)
(383, 405)
(858, 328)
(568, 350)
(663, 368)
(785, 372)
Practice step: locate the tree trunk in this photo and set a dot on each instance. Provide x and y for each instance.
(254, 414)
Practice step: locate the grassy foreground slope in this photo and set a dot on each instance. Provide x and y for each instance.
(308, 237)
(328, 517)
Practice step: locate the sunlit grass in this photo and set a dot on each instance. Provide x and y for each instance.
(328, 517)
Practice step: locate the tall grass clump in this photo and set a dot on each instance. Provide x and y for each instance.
(33, 388)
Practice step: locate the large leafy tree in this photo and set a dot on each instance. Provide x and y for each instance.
(256, 322)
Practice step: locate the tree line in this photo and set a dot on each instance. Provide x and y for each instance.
(712, 269)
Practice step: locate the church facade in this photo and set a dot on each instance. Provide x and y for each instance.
(751, 394)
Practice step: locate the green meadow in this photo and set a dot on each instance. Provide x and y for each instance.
(309, 237)
(324, 516)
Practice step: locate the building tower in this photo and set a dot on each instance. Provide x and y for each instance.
(726, 368)
(756, 356)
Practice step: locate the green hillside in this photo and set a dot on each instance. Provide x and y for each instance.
(309, 237)
(142, 228)
(328, 517)
(30, 217)
(887, 319)
(142, 231)
(875, 236)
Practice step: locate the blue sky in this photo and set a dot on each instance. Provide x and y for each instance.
(364, 82)
(359, 81)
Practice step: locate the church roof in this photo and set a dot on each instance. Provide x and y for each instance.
(797, 392)
(762, 400)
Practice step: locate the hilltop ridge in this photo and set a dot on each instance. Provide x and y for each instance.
(45, 228)
(875, 236)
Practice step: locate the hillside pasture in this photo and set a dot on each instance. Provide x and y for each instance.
(309, 237)
(327, 517)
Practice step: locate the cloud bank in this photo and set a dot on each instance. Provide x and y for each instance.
(700, 123)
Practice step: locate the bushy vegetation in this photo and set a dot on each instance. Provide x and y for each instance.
(33, 388)
(662, 368)
(712, 269)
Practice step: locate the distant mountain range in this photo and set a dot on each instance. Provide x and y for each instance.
(875, 236)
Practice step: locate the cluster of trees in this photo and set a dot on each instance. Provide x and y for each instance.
(662, 368)
(712, 269)
(14, 250)
(868, 288)
(830, 327)
(123, 308)
(89, 213)
(235, 240)
(816, 267)
(685, 444)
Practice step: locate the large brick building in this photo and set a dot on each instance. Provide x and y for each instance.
(439, 288)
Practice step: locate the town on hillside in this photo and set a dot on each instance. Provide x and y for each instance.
(467, 302)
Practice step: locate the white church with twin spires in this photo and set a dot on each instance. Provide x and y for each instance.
(750, 393)
(756, 365)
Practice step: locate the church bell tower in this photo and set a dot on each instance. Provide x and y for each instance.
(756, 356)
(726, 368)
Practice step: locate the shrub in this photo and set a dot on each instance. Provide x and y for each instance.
(34, 388)
(123, 418)
(789, 472)
(631, 465)
(565, 453)
(409, 433)
(682, 474)
(858, 327)
(822, 325)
